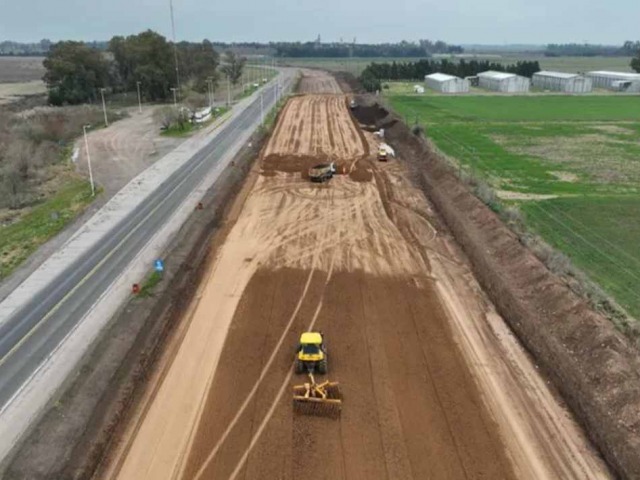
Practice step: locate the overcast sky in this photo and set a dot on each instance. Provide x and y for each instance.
(455, 21)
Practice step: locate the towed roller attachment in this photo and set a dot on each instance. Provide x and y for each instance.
(319, 399)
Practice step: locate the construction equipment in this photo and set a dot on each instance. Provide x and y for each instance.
(311, 354)
(321, 399)
(385, 151)
(353, 105)
(323, 172)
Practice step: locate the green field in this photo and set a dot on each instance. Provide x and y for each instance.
(571, 164)
(21, 238)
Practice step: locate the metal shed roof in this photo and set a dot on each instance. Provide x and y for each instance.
(497, 75)
(548, 73)
(441, 77)
(630, 76)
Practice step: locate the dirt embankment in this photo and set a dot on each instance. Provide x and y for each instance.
(348, 82)
(590, 363)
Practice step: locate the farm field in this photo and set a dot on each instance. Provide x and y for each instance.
(10, 92)
(21, 69)
(571, 164)
(20, 76)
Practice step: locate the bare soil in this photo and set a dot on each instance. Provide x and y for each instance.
(509, 195)
(123, 150)
(434, 384)
(316, 81)
(21, 69)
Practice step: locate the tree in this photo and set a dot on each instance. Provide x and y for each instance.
(635, 63)
(169, 117)
(147, 58)
(199, 63)
(233, 66)
(74, 73)
(369, 82)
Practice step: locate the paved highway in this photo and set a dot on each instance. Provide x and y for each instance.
(33, 332)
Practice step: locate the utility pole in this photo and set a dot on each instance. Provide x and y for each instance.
(175, 45)
(213, 92)
(175, 99)
(262, 107)
(104, 108)
(86, 146)
(139, 98)
(228, 91)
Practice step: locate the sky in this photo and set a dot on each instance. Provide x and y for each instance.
(369, 21)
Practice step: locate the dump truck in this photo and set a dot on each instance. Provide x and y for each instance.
(383, 155)
(323, 172)
(311, 354)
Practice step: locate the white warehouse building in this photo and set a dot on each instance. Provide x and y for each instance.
(503, 82)
(622, 81)
(443, 83)
(562, 82)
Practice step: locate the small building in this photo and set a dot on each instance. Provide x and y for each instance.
(618, 81)
(562, 82)
(503, 82)
(443, 83)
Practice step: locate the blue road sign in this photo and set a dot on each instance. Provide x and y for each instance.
(159, 265)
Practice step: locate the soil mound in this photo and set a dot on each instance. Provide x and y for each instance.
(291, 163)
(357, 170)
(361, 172)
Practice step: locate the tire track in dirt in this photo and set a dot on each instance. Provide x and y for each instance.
(279, 396)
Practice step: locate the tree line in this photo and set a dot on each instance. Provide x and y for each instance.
(628, 49)
(316, 49)
(76, 71)
(374, 73)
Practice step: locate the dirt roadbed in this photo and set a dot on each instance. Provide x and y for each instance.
(434, 384)
(590, 363)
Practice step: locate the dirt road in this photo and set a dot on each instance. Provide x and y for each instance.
(434, 384)
(315, 81)
(125, 149)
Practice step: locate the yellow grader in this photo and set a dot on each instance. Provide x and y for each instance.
(312, 398)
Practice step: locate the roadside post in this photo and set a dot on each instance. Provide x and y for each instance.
(158, 265)
(139, 98)
(86, 146)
